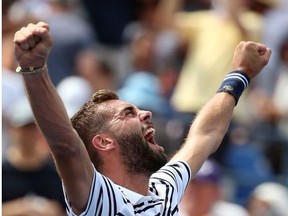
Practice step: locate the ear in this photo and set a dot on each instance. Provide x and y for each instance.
(103, 142)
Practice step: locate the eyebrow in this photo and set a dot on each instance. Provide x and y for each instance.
(129, 107)
(122, 109)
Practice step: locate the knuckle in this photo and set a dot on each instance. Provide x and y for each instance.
(30, 25)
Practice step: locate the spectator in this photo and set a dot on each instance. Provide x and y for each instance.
(95, 70)
(269, 199)
(12, 85)
(243, 159)
(281, 88)
(206, 58)
(108, 19)
(30, 183)
(71, 33)
(268, 113)
(204, 195)
(74, 91)
(275, 25)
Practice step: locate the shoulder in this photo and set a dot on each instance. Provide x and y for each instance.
(176, 166)
(171, 181)
(174, 172)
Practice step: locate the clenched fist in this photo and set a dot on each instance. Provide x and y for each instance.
(32, 45)
(250, 57)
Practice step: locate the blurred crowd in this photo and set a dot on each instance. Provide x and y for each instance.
(166, 56)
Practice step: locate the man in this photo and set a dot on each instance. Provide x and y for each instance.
(119, 138)
(30, 183)
(268, 198)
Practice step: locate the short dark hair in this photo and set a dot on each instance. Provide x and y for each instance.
(91, 120)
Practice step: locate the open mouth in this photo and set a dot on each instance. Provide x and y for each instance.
(149, 136)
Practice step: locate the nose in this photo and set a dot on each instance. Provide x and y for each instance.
(145, 115)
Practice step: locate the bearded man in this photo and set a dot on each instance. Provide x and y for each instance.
(129, 173)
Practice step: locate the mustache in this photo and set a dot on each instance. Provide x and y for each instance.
(148, 124)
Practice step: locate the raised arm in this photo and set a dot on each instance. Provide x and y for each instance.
(212, 122)
(32, 46)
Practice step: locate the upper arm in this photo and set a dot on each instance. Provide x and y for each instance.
(176, 175)
(75, 169)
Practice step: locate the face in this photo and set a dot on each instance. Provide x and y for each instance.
(134, 132)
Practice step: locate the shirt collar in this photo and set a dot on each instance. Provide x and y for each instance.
(135, 197)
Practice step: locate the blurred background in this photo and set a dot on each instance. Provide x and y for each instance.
(167, 56)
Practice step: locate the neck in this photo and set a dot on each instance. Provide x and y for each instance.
(138, 183)
(135, 182)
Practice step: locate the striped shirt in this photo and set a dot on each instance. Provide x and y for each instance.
(166, 188)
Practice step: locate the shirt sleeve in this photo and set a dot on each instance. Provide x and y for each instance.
(171, 180)
(105, 198)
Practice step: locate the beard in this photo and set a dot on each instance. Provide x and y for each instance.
(138, 157)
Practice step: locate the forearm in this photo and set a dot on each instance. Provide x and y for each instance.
(49, 110)
(213, 120)
(207, 131)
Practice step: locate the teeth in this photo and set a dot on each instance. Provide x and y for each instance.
(150, 130)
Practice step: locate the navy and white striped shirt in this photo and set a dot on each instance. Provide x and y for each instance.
(166, 188)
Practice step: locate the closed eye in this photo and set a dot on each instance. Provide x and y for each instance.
(130, 111)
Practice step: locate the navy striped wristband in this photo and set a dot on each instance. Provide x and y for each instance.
(235, 83)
